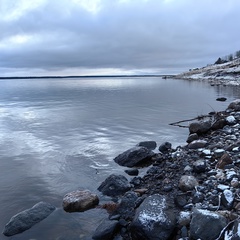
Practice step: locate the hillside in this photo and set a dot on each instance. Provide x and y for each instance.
(217, 74)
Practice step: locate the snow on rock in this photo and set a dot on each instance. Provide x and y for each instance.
(154, 219)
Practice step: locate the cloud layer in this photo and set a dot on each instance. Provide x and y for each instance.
(111, 36)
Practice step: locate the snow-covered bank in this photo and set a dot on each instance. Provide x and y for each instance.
(217, 74)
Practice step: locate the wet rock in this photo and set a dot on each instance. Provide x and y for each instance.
(106, 230)
(134, 156)
(221, 99)
(197, 144)
(79, 201)
(151, 145)
(199, 166)
(235, 105)
(165, 147)
(192, 137)
(28, 218)
(154, 219)
(219, 124)
(224, 160)
(132, 172)
(227, 199)
(206, 224)
(200, 127)
(114, 185)
(187, 183)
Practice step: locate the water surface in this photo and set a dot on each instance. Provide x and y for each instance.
(60, 135)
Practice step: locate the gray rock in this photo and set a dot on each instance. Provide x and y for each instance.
(151, 145)
(227, 198)
(154, 219)
(206, 224)
(79, 201)
(28, 218)
(134, 156)
(132, 172)
(197, 144)
(199, 166)
(192, 137)
(114, 185)
(219, 124)
(187, 183)
(165, 147)
(235, 105)
(200, 127)
(184, 218)
(106, 230)
(231, 120)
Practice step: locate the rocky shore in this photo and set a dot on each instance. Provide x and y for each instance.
(216, 74)
(191, 192)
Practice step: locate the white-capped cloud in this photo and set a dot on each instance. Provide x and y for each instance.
(158, 36)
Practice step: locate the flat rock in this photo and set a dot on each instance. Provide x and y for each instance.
(79, 201)
(134, 156)
(197, 144)
(154, 219)
(114, 185)
(200, 127)
(28, 218)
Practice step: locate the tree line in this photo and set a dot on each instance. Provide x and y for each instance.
(228, 58)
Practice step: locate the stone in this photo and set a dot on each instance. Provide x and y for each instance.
(206, 224)
(184, 218)
(221, 99)
(219, 152)
(154, 219)
(199, 166)
(114, 185)
(197, 144)
(165, 147)
(206, 152)
(227, 199)
(219, 124)
(79, 201)
(224, 160)
(234, 233)
(134, 156)
(180, 200)
(151, 145)
(132, 172)
(28, 218)
(235, 105)
(231, 120)
(200, 127)
(106, 230)
(187, 183)
(222, 187)
(192, 137)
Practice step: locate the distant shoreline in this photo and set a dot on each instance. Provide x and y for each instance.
(88, 76)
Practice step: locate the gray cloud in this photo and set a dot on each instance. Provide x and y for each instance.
(162, 36)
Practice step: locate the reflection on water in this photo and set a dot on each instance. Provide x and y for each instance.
(57, 136)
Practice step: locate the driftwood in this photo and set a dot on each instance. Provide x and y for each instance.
(178, 124)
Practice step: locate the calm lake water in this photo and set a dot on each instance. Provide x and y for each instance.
(60, 135)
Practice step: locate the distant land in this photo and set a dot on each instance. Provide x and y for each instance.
(91, 76)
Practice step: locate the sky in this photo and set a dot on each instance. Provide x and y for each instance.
(111, 37)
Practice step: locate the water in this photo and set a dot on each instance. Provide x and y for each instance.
(60, 135)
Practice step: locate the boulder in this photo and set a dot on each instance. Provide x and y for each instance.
(200, 127)
(219, 124)
(79, 201)
(151, 145)
(28, 218)
(235, 105)
(165, 147)
(106, 230)
(134, 156)
(187, 183)
(192, 137)
(206, 224)
(132, 172)
(154, 219)
(114, 185)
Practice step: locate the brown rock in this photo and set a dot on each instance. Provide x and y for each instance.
(224, 160)
(79, 201)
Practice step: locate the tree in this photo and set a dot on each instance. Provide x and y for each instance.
(219, 61)
(237, 54)
(230, 57)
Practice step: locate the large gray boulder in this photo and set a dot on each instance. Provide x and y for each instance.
(235, 105)
(154, 219)
(200, 127)
(28, 218)
(79, 201)
(114, 185)
(134, 156)
(206, 225)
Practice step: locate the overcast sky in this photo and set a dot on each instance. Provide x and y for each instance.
(69, 37)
